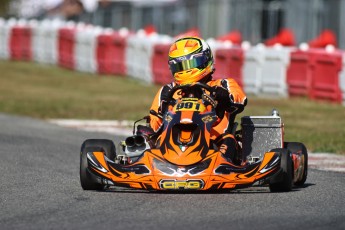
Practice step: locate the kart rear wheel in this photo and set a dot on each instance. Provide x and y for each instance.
(299, 147)
(284, 184)
(87, 181)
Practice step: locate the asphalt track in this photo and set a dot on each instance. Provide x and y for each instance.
(40, 189)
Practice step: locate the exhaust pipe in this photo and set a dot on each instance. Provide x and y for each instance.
(130, 141)
(135, 141)
(139, 140)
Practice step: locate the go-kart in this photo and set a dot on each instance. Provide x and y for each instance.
(182, 156)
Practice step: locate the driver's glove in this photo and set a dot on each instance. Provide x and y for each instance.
(224, 99)
(162, 108)
(164, 97)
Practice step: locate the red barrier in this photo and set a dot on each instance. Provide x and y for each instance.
(20, 43)
(150, 29)
(229, 63)
(326, 37)
(325, 81)
(66, 46)
(160, 67)
(111, 51)
(285, 37)
(299, 74)
(234, 36)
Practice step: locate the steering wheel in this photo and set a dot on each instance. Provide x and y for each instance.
(210, 98)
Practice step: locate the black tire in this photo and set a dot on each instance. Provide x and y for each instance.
(299, 147)
(284, 184)
(91, 145)
(106, 146)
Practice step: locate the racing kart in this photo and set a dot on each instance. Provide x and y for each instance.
(183, 157)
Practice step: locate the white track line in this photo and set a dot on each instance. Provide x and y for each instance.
(121, 128)
(327, 162)
(321, 161)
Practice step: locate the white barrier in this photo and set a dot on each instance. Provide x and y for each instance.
(52, 41)
(215, 45)
(5, 35)
(45, 40)
(274, 71)
(38, 40)
(85, 49)
(252, 69)
(139, 54)
(132, 60)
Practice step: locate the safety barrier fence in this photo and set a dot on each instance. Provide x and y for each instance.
(275, 70)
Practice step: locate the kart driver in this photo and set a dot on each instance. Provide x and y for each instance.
(190, 61)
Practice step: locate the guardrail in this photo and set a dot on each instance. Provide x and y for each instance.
(316, 73)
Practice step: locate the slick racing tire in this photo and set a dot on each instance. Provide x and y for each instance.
(88, 181)
(284, 184)
(104, 145)
(295, 147)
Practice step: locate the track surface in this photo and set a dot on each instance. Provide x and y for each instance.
(40, 189)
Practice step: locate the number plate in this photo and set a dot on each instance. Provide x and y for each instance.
(190, 104)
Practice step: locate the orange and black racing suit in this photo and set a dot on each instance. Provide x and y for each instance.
(220, 132)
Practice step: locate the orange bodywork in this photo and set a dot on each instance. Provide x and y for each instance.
(156, 178)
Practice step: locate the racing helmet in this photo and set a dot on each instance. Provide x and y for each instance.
(190, 60)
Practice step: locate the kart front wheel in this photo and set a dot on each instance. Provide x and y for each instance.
(283, 182)
(104, 145)
(87, 180)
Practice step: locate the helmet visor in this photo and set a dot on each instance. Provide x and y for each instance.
(194, 62)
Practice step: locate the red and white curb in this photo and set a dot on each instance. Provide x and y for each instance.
(321, 161)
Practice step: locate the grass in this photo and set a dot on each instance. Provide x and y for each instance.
(51, 92)
(44, 92)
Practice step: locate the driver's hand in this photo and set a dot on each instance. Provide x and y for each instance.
(164, 100)
(223, 96)
(224, 99)
(162, 108)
